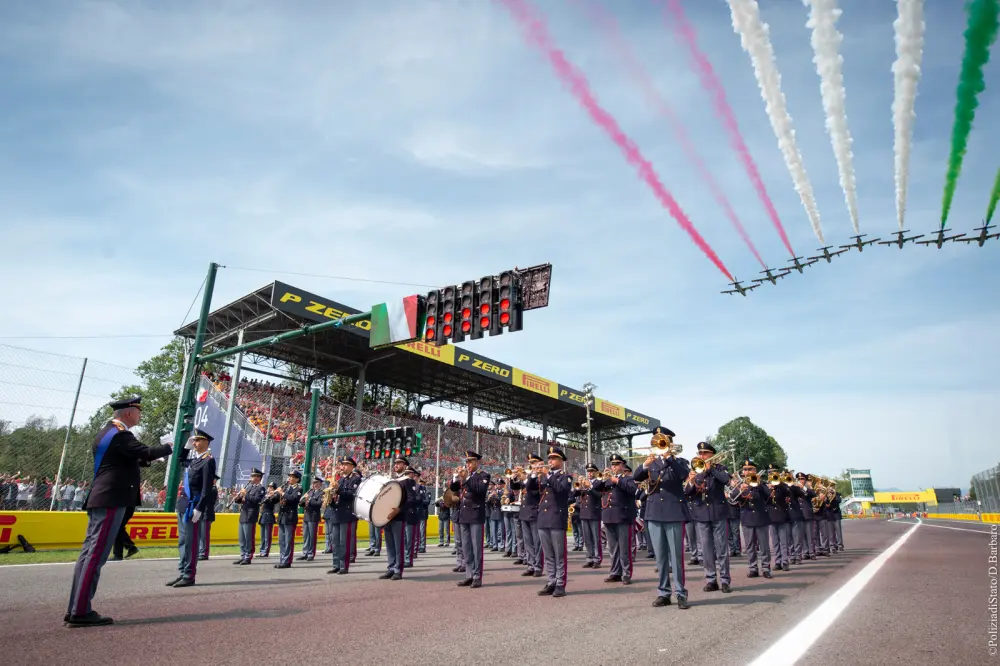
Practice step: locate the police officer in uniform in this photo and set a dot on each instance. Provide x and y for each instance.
(734, 518)
(249, 499)
(425, 512)
(754, 521)
(198, 478)
(509, 522)
(117, 455)
(804, 546)
(553, 514)
(836, 521)
(780, 529)
(312, 501)
(395, 542)
(289, 496)
(589, 508)
(444, 524)
(710, 513)
(666, 514)
(574, 521)
(495, 536)
(617, 505)
(472, 484)
(796, 521)
(411, 536)
(343, 520)
(267, 521)
(528, 515)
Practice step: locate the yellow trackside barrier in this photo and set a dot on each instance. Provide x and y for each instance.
(61, 530)
(993, 518)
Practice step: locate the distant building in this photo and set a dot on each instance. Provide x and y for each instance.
(948, 495)
(862, 488)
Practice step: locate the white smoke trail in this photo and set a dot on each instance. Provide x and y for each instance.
(826, 39)
(909, 26)
(754, 38)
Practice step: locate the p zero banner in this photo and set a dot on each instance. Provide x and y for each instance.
(309, 306)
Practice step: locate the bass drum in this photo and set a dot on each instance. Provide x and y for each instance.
(376, 497)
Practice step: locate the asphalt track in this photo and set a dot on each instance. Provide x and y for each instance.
(925, 605)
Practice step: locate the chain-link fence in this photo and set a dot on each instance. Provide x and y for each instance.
(51, 406)
(986, 485)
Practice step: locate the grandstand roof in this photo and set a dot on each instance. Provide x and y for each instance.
(448, 374)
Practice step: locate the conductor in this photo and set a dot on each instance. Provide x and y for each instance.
(114, 491)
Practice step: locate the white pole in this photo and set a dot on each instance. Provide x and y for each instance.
(56, 490)
(180, 396)
(336, 442)
(510, 452)
(234, 389)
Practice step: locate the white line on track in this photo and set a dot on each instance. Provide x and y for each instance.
(111, 562)
(793, 646)
(960, 529)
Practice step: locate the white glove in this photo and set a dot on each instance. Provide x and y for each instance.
(196, 516)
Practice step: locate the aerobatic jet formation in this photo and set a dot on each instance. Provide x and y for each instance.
(941, 238)
(742, 291)
(824, 253)
(981, 237)
(901, 239)
(859, 244)
(772, 277)
(799, 265)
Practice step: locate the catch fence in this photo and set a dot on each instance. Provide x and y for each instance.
(986, 485)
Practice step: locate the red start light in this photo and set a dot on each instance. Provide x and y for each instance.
(505, 318)
(431, 321)
(484, 309)
(466, 326)
(447, 317)
(484, 322)
(504, 304)
(466, 313)
(430, 334)
(447, 330)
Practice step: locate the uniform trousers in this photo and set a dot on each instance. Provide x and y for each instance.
(822, 536)
(780, 534)
(183, 552)
(532, 546)
(519, 539)
(488, 531)
(329, 535)
(713, 539)
(375, 538)
(102, 527)
(800, 539)
(204, 537)
(410, 542)
(691, 541)
(342, 537)
(509, 530)
(668, 544)
(444, 532)
(472, 545)
(266, 534)
(640, 537)
(395, 546)
(757, 548)
(620, 541)
(310, 530)
(122, 540)
(459, 552)
(577, 533)
(192, 547)
(734, 535)
(592, 540)
(286, 542)
(422, 533)
(498, 534)
(247, 544)
(838, 530)
(554, 546)
(831, 535)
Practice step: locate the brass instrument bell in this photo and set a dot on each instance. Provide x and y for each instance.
(752, 479)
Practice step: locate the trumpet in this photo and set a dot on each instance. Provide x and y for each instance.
(752, 479)
(606, 474)
(577, 483)
(787, 478)
(699, 466)
(572, 510)
(773, 477)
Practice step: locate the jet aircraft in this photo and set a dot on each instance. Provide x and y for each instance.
(798, 265)
(983, 236)
(742, 291)
(941, 238)
(772, 276)
(858, 243)
(826, 254)
(901, 239)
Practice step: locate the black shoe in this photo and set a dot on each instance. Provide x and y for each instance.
(264, 555)
(342, 572)
(682, 603)
(546, 591)
(626, 580)
(752, 574)
(538, 574)
(529, 572)
(203, 559)
(458, 569)
(588, 565)
(726, 589)
(282, 566)
(184, 582)
(613, 578)
(767, 574)
(175, 580)
(327, 552)
(131, 551)
(396, 576)
(333, 571)
(237, 562)
(117, 558)
(694, 561)
(91, 619)
(476, 583)
(785, 567)
(386, 576)
(244, 562)
(559, 592)
(710, 587)
(519, 561)
(302, 557)
(661, 601)
(465, 583)
(440, 545)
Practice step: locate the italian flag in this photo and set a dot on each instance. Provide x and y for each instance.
(396, 322)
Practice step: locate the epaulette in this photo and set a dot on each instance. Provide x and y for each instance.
(121, 426)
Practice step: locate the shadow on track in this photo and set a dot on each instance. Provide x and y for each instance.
(237, 614)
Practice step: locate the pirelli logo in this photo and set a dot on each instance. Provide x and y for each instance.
(152, 528)
(609, 409)
(6, 523)
(536, 384)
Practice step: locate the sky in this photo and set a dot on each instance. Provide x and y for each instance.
(427, 143)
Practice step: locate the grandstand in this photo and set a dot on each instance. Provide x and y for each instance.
(447, 376)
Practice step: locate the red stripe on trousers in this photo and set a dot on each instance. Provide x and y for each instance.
(482, 564)
(683, 573)
(565, 563)
(95, 557)
(346, 562)
(628, 550)
(194, 533)
(253, 543)
(600, 544)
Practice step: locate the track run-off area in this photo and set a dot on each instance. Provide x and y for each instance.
(903, 592)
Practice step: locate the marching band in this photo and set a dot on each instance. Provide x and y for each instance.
(667, 507)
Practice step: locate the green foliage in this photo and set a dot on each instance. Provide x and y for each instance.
(972, 491)
(748, 440)
(843, 484)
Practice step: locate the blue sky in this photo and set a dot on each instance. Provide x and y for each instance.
(425, 142)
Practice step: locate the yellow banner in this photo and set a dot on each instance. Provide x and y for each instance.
(926, 496)
(64, 530)
(444, 353)
(609, 408)
(536, 384)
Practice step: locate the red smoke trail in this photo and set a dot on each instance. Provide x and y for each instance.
(713, 86)
(613, 34)
(537, 34)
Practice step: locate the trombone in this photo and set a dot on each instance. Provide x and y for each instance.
(663, 442)
(787, 478)
(752, 479)
(773, 477)
(699, 466)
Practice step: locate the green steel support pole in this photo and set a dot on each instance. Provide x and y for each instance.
(187, 398)
(288, 335)
(337, 435)
(307, 472)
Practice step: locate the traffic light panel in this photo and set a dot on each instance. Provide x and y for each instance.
(432, 322)
(369, 445)
(484, 301)
(466, 311)
(447, 310)
(408, 441)
(509, 305)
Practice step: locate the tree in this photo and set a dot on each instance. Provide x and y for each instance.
(843, 482)
(972, 490)
(747, 440)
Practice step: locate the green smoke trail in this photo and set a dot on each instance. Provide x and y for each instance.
(994, 197)
(984, 21)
